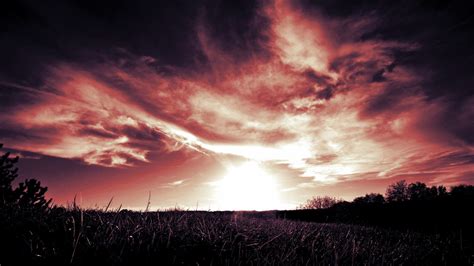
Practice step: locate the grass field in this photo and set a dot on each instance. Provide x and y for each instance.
(205, 238)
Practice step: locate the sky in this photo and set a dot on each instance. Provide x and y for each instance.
(236, 104)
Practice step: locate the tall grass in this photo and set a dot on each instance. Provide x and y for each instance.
(80, 237)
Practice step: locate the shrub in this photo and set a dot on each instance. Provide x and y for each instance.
(320, 203)
(28, 195)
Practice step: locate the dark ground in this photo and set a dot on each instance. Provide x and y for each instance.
(72, 236)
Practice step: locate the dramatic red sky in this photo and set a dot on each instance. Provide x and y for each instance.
(220, 105)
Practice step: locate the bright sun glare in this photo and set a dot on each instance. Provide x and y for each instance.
(247, 187)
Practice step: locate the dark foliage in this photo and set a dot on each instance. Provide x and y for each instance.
(23, 214)
(414, 207)
(319, 203)
(8, 173)
(28, 195)
(372, 198)
(419, 191)
(397, 192)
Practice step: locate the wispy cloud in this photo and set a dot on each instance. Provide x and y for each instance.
(174, 184)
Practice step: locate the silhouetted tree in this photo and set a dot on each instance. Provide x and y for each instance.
(8, 172)
(417, 191)
(320, 203)
(397, 192)
(442, 191)
(28, 194)
(370, 198)
(462, 192)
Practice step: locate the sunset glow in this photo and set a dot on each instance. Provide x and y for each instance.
(247, 187)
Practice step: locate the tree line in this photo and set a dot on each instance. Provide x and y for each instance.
(414, 206)
(399, 191)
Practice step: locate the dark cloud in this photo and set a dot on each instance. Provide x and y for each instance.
(392, 100)
(454, 122)
(243, 33)
(11, 134)
(378, 76)
(101, 133)
(325, 94)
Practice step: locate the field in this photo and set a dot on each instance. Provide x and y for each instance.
(210, 238)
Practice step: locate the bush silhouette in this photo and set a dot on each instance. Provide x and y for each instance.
(319, 203)
(28, 195)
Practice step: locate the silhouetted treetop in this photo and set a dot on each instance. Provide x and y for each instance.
(419, 191)
(397, 192)
(8, 172)
(462, 191)
(370, 198)
(28, 194)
